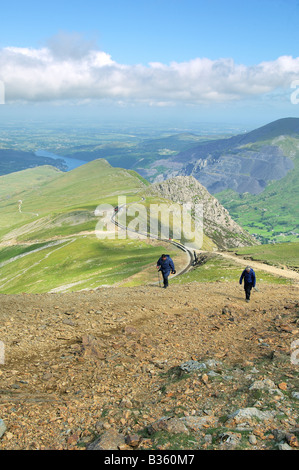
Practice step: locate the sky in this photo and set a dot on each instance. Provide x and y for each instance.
(213, 60)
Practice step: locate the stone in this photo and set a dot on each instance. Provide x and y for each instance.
(213, 364)
(192, 366)
(284, 446)
(252, 439)
(133, 440)
(283, 386)
(2, 428)
(279, 435)
(126, 403)
(171, 425)
(124, 447)
(292, 440)
(265, 384)
(92, 348)
(175, 426)
(230, 439)
(110, 440)
(226, 310)
(205, 378)
(196, 423)
(245, 417)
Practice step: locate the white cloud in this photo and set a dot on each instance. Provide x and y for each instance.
(70, 70)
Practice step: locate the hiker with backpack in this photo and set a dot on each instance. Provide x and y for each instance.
(166, 266)
(249, 281)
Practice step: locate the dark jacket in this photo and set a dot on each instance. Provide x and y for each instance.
(165, 266)
(249, 278)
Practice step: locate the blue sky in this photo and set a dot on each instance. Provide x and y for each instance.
(139, 31)
(209, 58)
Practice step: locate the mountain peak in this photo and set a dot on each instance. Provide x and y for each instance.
(217, 223)
(285, 126)
(243, 163)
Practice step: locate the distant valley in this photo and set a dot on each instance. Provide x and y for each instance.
(244, 163)
(254, 174)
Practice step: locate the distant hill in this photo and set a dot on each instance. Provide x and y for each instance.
(243, 163)
(48, 227)
(254, 175)
(12, 161)
(285, 126)
(48, 192)
(134, 154)
(273, 214)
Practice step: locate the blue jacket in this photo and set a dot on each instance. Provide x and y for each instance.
(249, 278)
(166, 266)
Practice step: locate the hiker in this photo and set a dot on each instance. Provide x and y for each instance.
(165, 265)
(249, 281)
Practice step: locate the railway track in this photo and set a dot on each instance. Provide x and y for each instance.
(190, 253)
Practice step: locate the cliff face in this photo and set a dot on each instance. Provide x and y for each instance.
(244, 163)
(217, 223)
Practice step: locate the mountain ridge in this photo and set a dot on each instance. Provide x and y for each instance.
(284, 126)
(217, 222)
(243, 163)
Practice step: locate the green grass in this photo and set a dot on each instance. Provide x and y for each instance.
(78, 263)
(88, 186)
(16, 183)
(56, 207)
(280, 254)
(217, 269)
(273, 214)
(51, 251)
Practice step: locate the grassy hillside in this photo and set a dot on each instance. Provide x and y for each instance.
(273, 215)
(42, 248)
(16, 183)
(76, 263)
(281, 254)
(48, 234)
(47, 194)
(220, 270)
(48, 242)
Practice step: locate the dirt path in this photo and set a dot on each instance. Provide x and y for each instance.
(287, 273)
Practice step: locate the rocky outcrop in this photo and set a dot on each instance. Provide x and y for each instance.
(217, 223)
(243, 163)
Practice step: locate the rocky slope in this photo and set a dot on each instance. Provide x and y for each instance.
(217, 223)
(243, 163)
(193, 367)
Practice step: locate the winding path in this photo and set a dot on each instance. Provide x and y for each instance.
(182, 247)
(258, 265)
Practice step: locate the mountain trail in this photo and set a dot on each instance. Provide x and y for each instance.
(283, 272)
(83, 364)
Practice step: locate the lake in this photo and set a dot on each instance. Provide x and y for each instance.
(71, 163)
